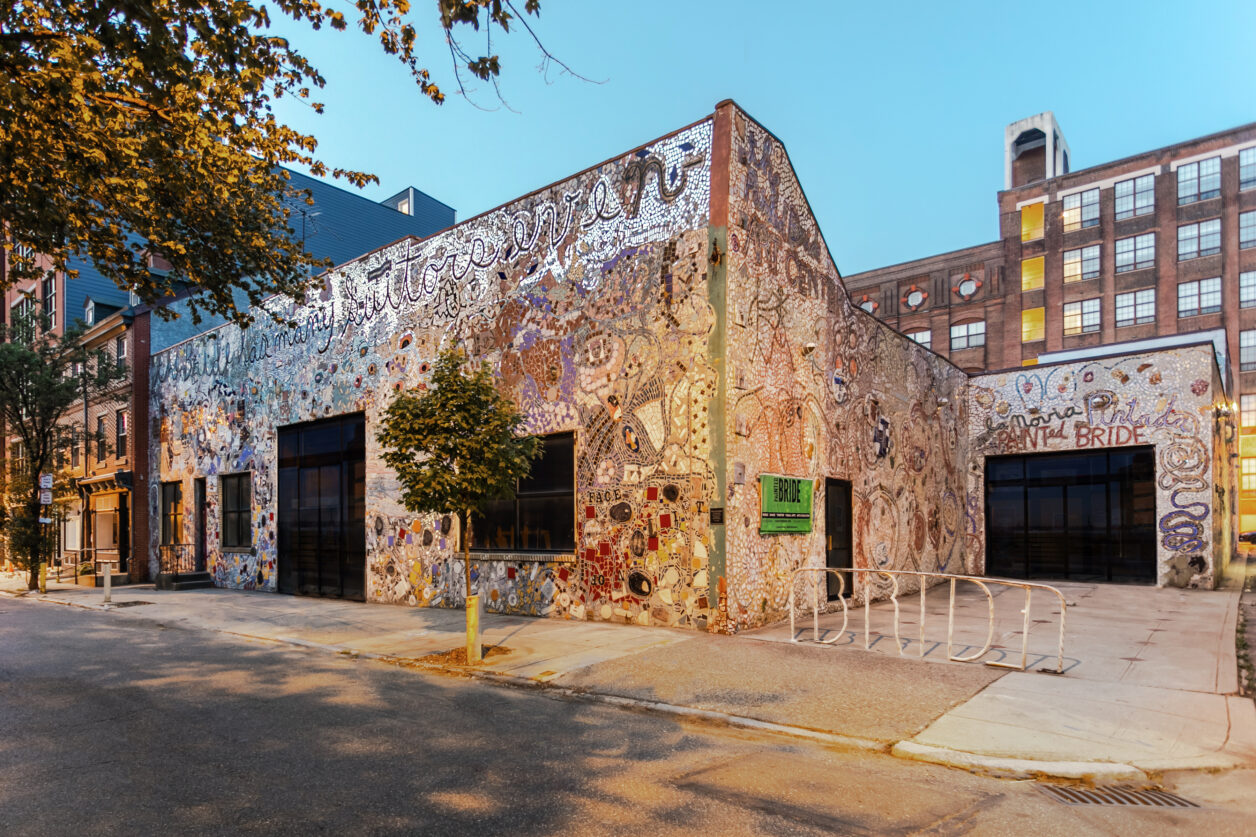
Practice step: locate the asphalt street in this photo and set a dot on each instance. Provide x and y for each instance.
(112, 727)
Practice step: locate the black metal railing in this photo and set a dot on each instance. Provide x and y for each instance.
(176, 558)
(70, 561)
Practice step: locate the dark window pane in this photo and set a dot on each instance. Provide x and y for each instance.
(546, 523)
(496, 529)
(320, 440)
(555, 470)
(1047, 549)
(1007, 468)
(289, 448)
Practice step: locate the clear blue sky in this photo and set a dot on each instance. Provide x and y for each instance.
(893, 113)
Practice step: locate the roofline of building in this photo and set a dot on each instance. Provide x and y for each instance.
(361, 197)
(1117, 352)
(1132, 157)
(406, 191)
(941, 256)
(527, 195)
(326, 273)
(802, 190)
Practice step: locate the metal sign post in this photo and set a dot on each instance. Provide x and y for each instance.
(45, 499)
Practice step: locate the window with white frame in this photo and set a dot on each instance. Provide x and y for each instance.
(1202, 296)
(924, 337)
(1247, 350)
(1247, 289)
(121, 425)
(1082, 263)
(119, 351)
(1136, 307)
(1082, 317)
(1202, 239)
(1136, 252)
(21, 317)
(17, 458)
(1247, 410)
(1247, 168)
(1199, 181)
(1249, 473)
(48, 293)
(1081, 210)
(968, 335)
(1247, 229)
(1136, 196)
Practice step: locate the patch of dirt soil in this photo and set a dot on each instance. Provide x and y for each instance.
(458, 656)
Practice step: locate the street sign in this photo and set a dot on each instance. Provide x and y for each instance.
(45, 480)
(45, 497)
(45, 520)
(785, 505)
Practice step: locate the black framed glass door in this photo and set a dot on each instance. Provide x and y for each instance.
(1084, 516)
(322, 508)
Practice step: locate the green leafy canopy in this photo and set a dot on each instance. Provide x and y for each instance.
(131, 127)
(455, 447)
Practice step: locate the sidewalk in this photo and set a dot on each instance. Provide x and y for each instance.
(1150, 682)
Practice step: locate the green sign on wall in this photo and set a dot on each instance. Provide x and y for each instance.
(784, 505)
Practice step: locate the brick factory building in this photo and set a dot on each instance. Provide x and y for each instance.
(1154, 250)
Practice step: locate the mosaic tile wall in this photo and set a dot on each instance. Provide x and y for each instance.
(1170, 399)
(817, 388)
(688, 360)
(589, 301)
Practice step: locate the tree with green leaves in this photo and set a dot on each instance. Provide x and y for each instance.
(456, 446)
(42, 375)
(130, 127)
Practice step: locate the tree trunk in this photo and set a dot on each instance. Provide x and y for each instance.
(33, 555)
(466, 552)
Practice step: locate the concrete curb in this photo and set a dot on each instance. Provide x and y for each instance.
(1003, 767)
(515, 681)
(1009, 768)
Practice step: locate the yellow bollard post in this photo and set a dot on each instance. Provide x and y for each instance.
(43, 577)
(474, 648)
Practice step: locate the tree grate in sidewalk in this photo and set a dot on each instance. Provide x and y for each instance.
(1117, 795)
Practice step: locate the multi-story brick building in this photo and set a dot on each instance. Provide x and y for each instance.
(1157, 247)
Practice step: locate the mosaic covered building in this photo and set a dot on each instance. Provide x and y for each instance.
(672, 323)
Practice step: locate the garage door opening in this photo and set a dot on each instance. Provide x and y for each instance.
(322, 508)
(1076, 516)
